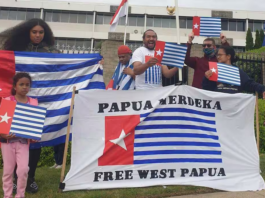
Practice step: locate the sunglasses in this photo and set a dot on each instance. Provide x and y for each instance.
(208, 45)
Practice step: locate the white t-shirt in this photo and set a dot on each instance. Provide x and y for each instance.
(152, 77)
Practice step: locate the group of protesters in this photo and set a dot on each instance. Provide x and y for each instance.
(134, 71)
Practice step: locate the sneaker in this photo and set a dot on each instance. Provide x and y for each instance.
(32, 186)
(15, 186)
(54, 166)
(58, 167)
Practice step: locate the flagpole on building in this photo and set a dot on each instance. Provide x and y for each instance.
(126, 22)
(67, 137)
(178, 35)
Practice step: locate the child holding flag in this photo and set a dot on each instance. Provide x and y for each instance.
(15, 150)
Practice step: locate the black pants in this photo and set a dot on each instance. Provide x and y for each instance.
(34, 157)
(58, 153)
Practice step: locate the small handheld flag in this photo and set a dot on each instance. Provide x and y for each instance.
(22, 120)
(170, 54)
(225, 73)
(207, 26)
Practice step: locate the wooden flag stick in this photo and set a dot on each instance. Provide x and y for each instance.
(67, 137)
(257, 119)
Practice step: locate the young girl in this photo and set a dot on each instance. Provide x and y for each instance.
(15, 150)
(227, 55)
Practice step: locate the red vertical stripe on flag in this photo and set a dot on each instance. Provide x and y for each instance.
(7, 109)
(214, 68)
(159, 50)
(196, 26)
(110, 85)
(119, 140)
(7, 71)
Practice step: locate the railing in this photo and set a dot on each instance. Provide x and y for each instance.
(76, 49)
(252, 65)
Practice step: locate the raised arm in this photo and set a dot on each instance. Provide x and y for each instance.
(190, 61)
(223, 40)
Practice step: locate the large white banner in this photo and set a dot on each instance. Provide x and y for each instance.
(176, 135)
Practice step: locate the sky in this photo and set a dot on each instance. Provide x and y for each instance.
(250, 5)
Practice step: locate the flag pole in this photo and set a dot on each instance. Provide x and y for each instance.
(126, 22)
(67, 138)
(257, 119)
(178, 35)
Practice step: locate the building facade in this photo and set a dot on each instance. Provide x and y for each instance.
(86, 25)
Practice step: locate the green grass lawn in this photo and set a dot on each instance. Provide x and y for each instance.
(48, 181)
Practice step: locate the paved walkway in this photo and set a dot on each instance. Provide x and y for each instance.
(257, 194)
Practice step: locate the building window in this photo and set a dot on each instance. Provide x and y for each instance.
(103, 19)
(18, 14)
(133, 20)
(68, 17)
(186, 22)
(233, 25)
(161, 22)
(133, 45)
(255, 25)
(72, 43)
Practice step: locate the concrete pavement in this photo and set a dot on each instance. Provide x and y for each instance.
(256, 194)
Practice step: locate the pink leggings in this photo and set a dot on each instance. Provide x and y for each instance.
(15, 154)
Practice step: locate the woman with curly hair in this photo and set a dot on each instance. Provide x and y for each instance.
(33, 35)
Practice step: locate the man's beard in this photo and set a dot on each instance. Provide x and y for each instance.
(150, 48)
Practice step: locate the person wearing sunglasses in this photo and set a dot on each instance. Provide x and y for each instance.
(227, 55)
(201, 65)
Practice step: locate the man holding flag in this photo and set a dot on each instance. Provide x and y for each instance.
(201, 65)
(147, 69)
(123, 77)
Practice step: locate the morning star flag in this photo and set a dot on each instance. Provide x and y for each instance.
(121, 81)
(175, 135)
(207, 26)
(170, 54)
(54, 76)
(22, 120)
(225, 73)
(120, 12)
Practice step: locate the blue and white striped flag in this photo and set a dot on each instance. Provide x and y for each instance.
(170, 54)
(28, 121)
(54, 76)
(177, 135)
(223, 73)
(21, 120)
(121, 81)
(207, 26)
